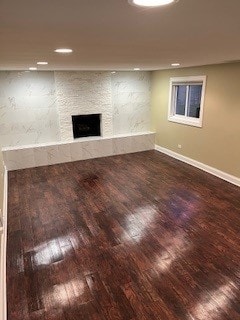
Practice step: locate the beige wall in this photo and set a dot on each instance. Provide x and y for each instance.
(217, 143)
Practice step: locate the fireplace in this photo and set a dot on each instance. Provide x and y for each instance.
(87, 125)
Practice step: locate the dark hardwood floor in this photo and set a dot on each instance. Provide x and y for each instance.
(137, 236)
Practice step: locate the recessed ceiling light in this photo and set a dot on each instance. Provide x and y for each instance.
(151, 3)
(136, 69)
(113, 72)
(43, 63)
(32, 68)
(63, 50)
(175, 64)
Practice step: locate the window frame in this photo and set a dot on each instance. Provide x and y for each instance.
(184, 119)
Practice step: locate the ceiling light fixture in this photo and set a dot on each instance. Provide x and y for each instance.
(63, 50)
(43, 63)
(113, 72)
(32, 68)
(136, 69)
(151, 3)
(175, 64)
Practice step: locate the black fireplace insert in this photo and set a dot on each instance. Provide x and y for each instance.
(86, 125)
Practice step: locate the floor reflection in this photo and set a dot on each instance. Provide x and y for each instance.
(214, 303)
(141, 219)
(50, 251)
(65, 294)
(178, 245)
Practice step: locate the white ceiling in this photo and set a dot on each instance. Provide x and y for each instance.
(112, 35)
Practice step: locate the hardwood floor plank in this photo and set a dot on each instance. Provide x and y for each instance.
(132, 237)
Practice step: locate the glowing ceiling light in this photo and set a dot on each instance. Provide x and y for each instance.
(151, 3)
(63, 50)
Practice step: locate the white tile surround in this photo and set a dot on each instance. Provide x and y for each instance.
(81, 149)
(36, 107)
(83, 93)
(122, 98)
(36, 111)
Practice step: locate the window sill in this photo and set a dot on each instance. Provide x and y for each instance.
(187, 121)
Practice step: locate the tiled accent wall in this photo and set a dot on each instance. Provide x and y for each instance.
(36, 110)
(83, 93)
(131, 102)
(36, 107)
(81, 149)
(28, 111)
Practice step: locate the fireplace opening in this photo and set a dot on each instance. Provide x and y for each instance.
(87, 125)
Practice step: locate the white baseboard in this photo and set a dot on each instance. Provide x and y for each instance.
(3, 291)
(218, 173)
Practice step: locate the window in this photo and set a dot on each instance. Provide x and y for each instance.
(187, 100)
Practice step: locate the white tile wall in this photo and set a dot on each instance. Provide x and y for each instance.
(28, 111)
(36, 108)
(48, 154)
(131, 102)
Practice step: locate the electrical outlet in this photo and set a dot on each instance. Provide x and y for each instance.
(179, 146)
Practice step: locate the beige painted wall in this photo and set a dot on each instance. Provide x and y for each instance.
(217, 143)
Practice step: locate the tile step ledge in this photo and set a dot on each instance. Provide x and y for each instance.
(16, 158)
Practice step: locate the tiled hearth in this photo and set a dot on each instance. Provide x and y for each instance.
(85, 148)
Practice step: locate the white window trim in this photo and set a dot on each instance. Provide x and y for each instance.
(196, 122)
